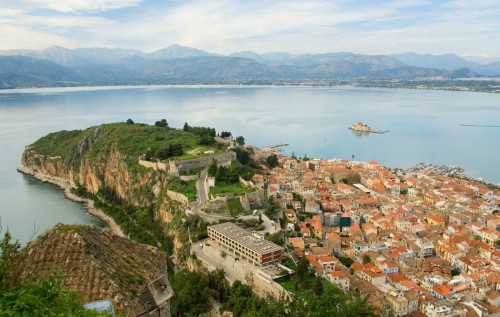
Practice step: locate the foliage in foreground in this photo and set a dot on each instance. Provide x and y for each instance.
(193, 290)
(33, 297)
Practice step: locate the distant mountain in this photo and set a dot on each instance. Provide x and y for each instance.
(184, 65)
(273, 58)
(447, 61)
(492, 69)
(21, 71)
(177, 51)
(72, 57)
(250, 55)
(277, 56)
(201, 69)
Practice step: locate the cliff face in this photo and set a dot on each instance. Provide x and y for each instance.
(104, 160)
(107, 170)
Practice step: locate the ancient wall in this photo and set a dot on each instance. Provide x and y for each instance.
(154, 165)
(178, 197)
(176, 167)
(189, 177)
(186, 165)
(244, 202)
(257, 198)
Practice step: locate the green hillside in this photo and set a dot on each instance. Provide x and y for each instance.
(131, 140)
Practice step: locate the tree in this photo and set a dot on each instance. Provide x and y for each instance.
(186, 127)
(130, 121)
(240, 140)
(162, 123)
(346, 261)
(225, 134)
(217, 284)
(293, 156)
(366, 259)
(212, 169)
(191, 293)
(207, 139)
(242, 156)
(10, 254)
(318, 288)
(33, 296)
(272, 161)
(300, 276)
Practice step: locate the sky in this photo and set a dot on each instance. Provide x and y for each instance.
(469, 28)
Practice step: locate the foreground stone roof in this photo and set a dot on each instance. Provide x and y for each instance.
(96, 263)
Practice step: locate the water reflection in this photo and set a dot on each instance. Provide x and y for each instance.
(359, 133)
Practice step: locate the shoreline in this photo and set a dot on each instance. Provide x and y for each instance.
(88, 204)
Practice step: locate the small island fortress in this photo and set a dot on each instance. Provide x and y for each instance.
(359, 126)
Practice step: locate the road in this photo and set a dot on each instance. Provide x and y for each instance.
(202, 197)
(211, 257)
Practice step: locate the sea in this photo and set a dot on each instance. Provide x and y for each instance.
(453, 128)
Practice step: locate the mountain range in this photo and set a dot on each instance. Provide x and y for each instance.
(59, 66)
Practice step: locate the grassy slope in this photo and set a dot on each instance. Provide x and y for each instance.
(130, 140)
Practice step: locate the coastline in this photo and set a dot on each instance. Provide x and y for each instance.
(66, 187)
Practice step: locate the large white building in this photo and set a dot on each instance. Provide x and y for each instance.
(244, 244)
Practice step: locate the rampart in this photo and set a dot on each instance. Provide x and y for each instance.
(176, 167)
(154, 165)
(178, 197)
(257, 199)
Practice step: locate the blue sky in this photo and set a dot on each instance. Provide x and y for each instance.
(469, 28)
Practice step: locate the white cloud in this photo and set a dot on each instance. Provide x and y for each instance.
(70, 6)
(225, 26)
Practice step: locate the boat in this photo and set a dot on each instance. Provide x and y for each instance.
(359, 126)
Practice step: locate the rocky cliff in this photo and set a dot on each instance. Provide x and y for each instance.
(102, 162)
(106, 169)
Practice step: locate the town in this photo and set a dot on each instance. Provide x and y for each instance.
(414, 242)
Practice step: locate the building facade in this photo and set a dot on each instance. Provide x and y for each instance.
(244, 244)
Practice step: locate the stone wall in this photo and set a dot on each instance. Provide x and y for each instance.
(178, 197)
(257, 198)
(244, 202)
(189, 177)
(154, 165)
(177, 167)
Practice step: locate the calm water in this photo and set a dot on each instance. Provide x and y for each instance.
(424, 127)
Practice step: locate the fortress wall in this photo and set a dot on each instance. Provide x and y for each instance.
(154, 165)
(222, 159)
(189, 177)
(178, 197)
(244, 202)
(246, 183)
(257, 198)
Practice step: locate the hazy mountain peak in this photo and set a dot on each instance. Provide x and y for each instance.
(445, 61)
(177, 51)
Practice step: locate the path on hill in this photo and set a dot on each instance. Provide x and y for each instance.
(202, 198)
